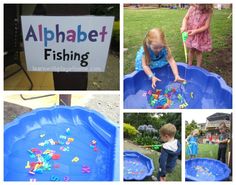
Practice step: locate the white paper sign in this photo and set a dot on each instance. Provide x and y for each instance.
(67, 43)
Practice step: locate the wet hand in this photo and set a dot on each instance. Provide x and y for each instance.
(154, 80)
(179, 79)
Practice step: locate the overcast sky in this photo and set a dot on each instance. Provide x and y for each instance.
(199, 115)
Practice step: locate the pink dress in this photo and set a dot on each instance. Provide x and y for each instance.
(200, 41)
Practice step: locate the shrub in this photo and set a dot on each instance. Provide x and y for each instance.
(129, 131)
(146, 140)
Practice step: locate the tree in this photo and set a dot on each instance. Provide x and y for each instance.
(157, 120)
(137, 119)
(190, 127)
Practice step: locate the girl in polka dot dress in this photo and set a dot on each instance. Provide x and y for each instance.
(197, 24)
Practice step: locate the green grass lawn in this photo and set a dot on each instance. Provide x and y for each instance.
(174, 176)
(138, 22)
(207, 151)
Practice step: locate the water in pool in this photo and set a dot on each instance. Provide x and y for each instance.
(79, 154)
(191, 94)
(134, 168)
(203, 173)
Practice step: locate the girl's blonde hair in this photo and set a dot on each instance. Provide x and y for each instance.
(206, 8)
(195, 131)
(154, 35)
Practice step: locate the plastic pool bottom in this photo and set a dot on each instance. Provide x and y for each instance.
(85, 126)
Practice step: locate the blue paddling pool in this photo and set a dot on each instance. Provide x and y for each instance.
(204, 169)
(61, 144)
(137, 166)
(203, 90)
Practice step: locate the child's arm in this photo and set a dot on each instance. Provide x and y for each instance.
(187, 139)
(175, 70)
(201, 29)
(149, 73)
(224, 141)
(197, 140)
(184, 22)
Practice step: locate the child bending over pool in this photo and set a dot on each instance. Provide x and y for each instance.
(155, 54)
(171, 149)
(223, 142)
(197, 24)
(192, 144)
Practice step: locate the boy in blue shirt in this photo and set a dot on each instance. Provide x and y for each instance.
(171, 149)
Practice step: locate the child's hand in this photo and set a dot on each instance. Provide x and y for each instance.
(162, 178)
(192, 32)
(179, 79)
(154, 80)
(182, 29)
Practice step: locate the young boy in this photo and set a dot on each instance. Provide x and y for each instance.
(223, 141)
(170, 151)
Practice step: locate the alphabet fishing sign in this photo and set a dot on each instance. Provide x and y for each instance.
(67, 43)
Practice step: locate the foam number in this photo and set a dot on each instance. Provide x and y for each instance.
(75, 159)
(68, 131)
(51, 141)
(42, 135)
(27, 165)
(55, 178)
(62, 137)
(86, 169)
(70, 140)
(66, 178)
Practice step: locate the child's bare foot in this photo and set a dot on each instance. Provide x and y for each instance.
(162, 178)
